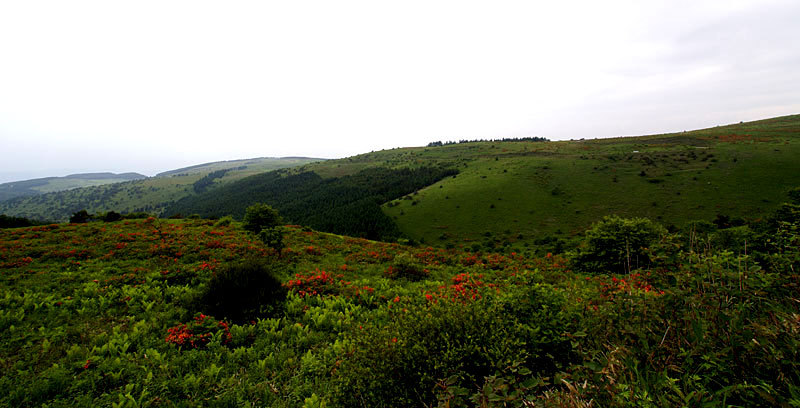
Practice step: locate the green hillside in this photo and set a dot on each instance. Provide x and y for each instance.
(520, 195)
(51, 184)
(514, 193)
(147, 195)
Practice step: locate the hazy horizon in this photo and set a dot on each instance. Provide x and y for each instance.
(93, 86)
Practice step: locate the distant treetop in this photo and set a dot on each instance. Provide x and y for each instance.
(507, 139)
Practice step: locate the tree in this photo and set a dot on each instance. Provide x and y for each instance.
(261, 216)
(616, 245)
(80, 217)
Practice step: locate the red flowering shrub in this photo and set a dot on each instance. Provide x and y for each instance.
(198, 332)
(465, 287)
(322, 283)
(634, 282)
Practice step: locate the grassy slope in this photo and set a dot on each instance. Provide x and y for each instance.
(547, 189)
(53, 184)
(561, 187)
(150, 195)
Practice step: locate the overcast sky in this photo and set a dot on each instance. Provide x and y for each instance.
(149, 86)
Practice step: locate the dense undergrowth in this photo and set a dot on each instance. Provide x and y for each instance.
(155, 312)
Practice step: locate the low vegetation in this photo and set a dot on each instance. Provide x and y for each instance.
(156, 312)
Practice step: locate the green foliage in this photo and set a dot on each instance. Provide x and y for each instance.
(243, 291)
(260, 216)
(407, 267)
(56, 198)
(80, 217)
(794, 195)
(617, 245)
(456, 345)
(111, 216)
(111, 315)
(14, 222)
(224, 221)
(348, 205)
(272, 238)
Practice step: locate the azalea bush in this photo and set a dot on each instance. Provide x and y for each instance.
(198, 332)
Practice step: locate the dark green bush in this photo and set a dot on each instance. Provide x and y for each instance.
(80, 217)
(243, 291)
(617, 245)
(224, 221)
(408, 267)
(426, 351)
(111, 216)
(14, 222)
(260, 216)
(273, 238)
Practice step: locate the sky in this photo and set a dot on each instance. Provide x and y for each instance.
(149, 86)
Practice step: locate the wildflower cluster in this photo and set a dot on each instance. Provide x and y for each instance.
(634, 282)
(198, 332)
(322, 283)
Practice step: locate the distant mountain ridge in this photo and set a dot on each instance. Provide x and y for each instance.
(48, 199)
(219, 165)
(24, 188)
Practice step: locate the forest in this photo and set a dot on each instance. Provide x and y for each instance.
(348, 205)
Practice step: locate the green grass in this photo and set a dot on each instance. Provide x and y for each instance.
(559, 188)
(515, 193)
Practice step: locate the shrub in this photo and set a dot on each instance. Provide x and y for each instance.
(617, 245)
(224, 221)
(406, 266)
(80, 217)
(14, 222)
(243, 290)
(111, 216)
(272, 237)
(450, 347)
(260, 216)
(198, 332)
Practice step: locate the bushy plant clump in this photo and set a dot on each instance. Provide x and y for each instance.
(260, 216)
(439, 351)
(617, 245)
(244, 290)
(408, 267)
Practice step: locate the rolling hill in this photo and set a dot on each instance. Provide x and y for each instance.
(147, 194)
(37, 186)
(521, 194)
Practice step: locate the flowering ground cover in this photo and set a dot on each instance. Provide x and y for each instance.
(113, 314)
